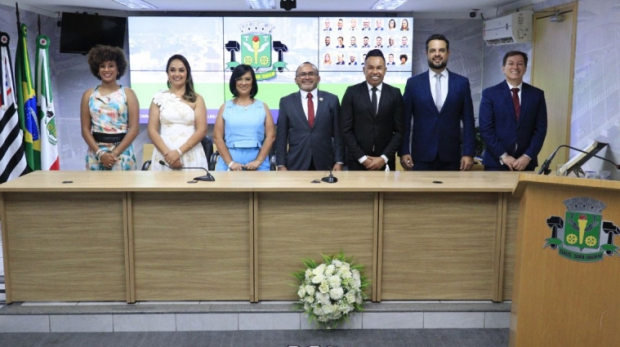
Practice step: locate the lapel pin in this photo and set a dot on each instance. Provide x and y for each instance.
(320, 99)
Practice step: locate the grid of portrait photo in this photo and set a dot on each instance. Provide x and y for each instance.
(346, 40)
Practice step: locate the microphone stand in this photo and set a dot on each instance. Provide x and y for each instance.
(544, 168)
(208, 177)
(330, 178)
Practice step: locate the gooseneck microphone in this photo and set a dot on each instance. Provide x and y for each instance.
(207, 177)
(544, 169)
(330, 178)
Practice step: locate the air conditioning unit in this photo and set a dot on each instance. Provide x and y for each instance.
(510, 29)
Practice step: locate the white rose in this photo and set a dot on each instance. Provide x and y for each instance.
(334, 281)
(330, 270)
(345, 267)
(323, 298)
(327, 309)
(301, 292)
(318, 311)
(336, 293)
(324, 287)
(337, 263)
(346, 274)
(310, 299)
(308, 274)
(319, 270)
(350, 297)
(310, 289)
(318, 279)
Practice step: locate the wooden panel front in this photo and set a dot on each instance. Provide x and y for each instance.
(510, 241)
(294, 226)
(191, 246)
(66, 246)
(438, 246)
(557, 301)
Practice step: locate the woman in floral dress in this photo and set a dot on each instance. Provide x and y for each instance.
(109, 113)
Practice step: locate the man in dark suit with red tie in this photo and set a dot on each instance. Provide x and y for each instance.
(308, 131)
(438, 101)
(371, 118)
(513, 119)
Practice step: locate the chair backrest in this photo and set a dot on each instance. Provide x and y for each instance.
(207, 145)
(147, 155)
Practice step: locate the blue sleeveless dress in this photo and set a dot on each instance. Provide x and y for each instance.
(244, 133)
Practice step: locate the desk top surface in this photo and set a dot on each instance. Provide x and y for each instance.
(348, 181)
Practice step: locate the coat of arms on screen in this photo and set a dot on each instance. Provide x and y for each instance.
(256, 49)
(582, 235)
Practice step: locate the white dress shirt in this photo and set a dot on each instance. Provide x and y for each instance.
(304, 101)
(444, 84)
(379, 87)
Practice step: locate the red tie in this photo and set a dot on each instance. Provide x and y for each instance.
(310, 110)
(515, 101)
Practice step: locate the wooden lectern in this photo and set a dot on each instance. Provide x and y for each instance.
(567, 275)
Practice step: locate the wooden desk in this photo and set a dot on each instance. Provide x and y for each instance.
(152, 236)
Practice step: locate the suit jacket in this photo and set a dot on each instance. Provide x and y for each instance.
(322, 143)
(436, 133)
(500, 130)
(367, 134)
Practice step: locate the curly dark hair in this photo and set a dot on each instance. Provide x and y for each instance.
(100, 54)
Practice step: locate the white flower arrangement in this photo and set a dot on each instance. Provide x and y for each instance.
(328, 292)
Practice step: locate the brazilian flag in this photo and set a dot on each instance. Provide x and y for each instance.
(27, 102)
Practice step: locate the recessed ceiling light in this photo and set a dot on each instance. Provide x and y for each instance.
(261, 4)
(388, 4)
(136, 4)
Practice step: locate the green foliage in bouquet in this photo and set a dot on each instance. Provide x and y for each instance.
(328, 292)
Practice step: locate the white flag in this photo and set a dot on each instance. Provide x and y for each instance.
(45, 107)
(12, 158)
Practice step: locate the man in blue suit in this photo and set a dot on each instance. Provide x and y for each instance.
(308, 132)
(438, 100)
(513, 119)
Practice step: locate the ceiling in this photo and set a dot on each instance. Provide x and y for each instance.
(419, 7)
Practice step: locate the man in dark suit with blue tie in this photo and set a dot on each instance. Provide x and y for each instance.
(438, 101)
(308, 132)
(513, 119)
(371, 118)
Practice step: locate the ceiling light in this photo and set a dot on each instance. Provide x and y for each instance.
(388, 4)
(261, 4)
(136, 4)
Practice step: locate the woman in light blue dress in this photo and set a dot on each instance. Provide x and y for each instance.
(244, 130)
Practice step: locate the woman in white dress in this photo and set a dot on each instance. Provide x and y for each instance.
(182, 115)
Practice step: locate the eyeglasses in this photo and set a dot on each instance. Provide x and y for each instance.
(307, 74)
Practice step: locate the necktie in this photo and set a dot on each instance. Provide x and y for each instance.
(515, 101)
(374, 100)
(438, 100)
(310, 110)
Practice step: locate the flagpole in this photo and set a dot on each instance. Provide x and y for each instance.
(17, 14)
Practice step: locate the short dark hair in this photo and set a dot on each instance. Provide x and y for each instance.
(374, 53)
(513, 53)
(438, 37)
(100, 54)
(403, 56)
(308, 63)
(190, 93)
(239, 71)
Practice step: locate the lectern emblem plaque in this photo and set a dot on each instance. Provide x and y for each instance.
(582, 235)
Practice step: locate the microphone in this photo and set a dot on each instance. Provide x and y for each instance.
(207, 177)
(330, 178)
(544, 169)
